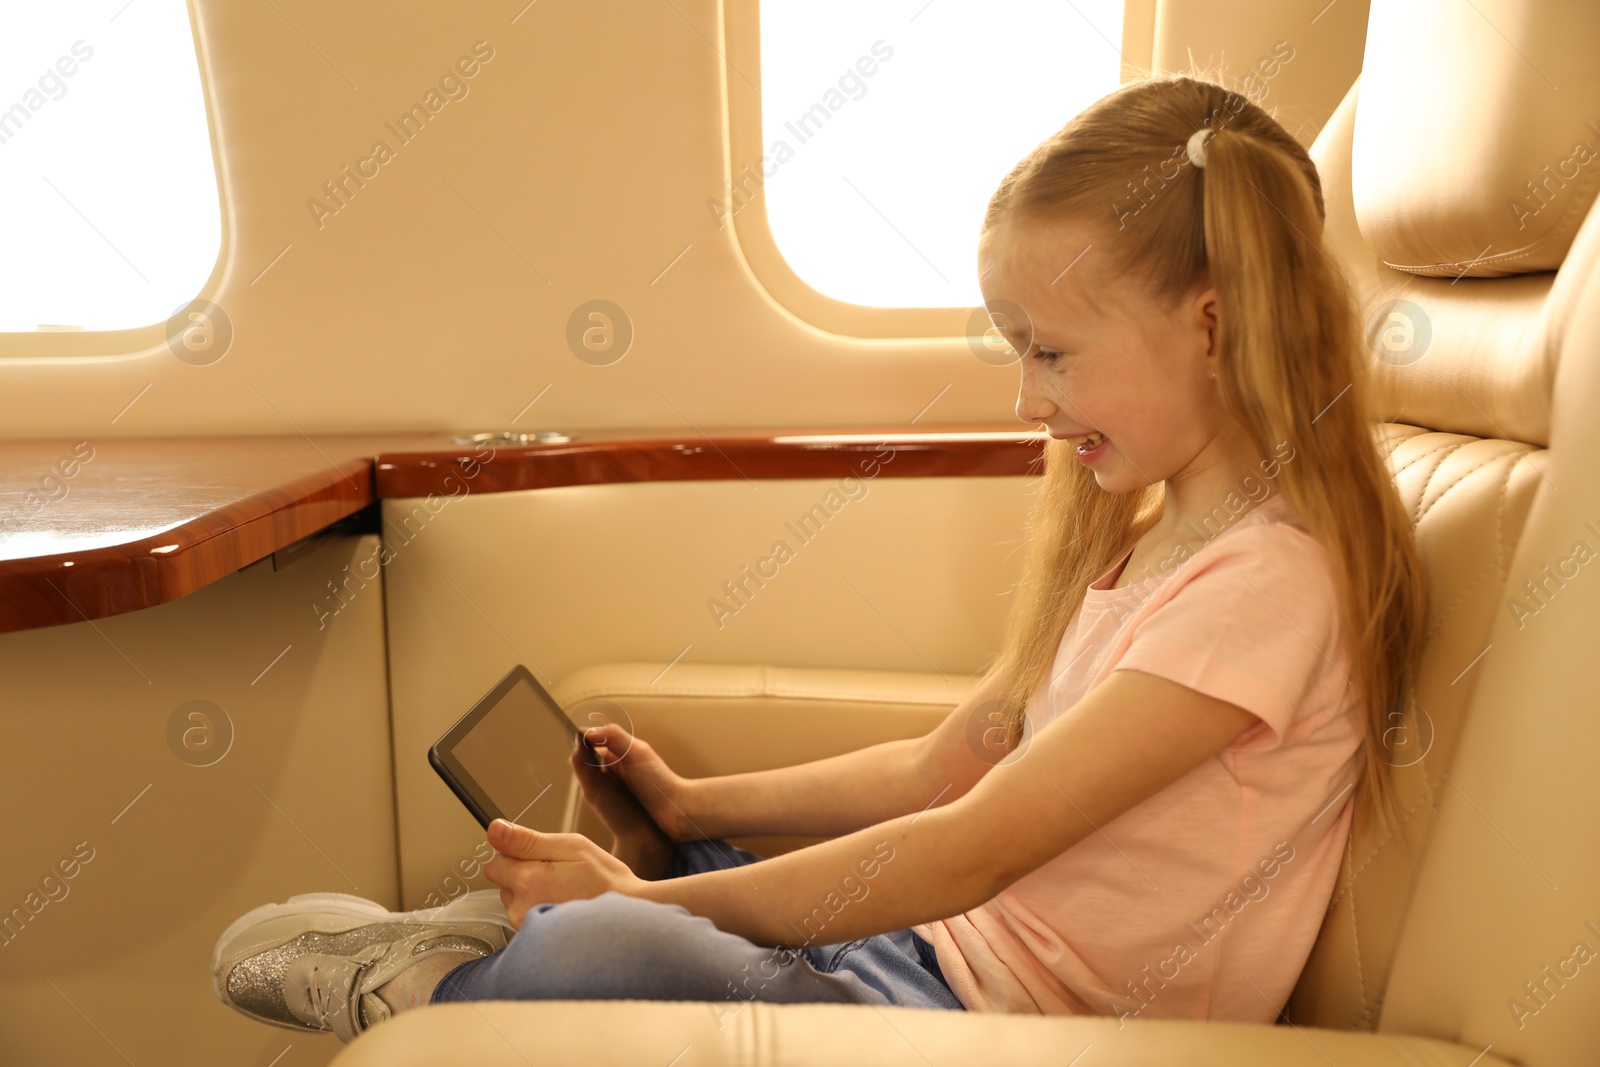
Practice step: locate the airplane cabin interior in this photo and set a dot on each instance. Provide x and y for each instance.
(372, 375)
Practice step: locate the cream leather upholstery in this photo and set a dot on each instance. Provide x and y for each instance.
(700, 716)
(1474, 947)
(643, 1033)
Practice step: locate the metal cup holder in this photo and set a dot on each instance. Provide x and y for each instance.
(514, 437)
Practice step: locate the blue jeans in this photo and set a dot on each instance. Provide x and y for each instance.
(617, 947)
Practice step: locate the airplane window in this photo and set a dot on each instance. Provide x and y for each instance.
(887, 126)
(106, 168)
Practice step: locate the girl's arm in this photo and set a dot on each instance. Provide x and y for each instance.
(832, 796)
(823, 799)
(1127, 739)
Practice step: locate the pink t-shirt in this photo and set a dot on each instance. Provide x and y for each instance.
(1202, 901)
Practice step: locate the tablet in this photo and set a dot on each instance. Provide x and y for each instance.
(508, 757)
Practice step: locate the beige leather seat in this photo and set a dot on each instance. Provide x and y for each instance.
(1459, 173)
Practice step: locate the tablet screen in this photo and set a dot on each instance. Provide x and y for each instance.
(518, 755)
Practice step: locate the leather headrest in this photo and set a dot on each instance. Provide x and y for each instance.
(1477, 138)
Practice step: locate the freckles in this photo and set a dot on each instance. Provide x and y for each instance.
(1066, 400)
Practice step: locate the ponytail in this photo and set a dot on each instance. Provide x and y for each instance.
(1291, 368)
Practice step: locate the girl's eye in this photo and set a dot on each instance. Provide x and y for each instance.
(1046, 354)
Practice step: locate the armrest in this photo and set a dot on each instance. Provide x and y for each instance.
(630, 1033)
(711, 718)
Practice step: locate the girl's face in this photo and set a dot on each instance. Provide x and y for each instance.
(1100, 355)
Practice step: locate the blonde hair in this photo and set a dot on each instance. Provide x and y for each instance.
(1290, 368)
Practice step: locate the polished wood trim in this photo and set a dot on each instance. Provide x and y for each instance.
(640, 457)
(92, 529)
(145, 521)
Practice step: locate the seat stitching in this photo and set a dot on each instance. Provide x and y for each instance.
(1355, 936)
(1500, 522)
(1430, 793)
(1499, 518)
(1383, 995)
(1500, 562)
(1402, 431)
(1405, 817)
(1446, 441)
(1485, 465)
(1427, 485)
(1444, 615)
(1561, 230)
(1407, 464)
(712, 690)
(1367, 1007)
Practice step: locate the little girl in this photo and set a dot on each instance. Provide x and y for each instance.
(1140, 810)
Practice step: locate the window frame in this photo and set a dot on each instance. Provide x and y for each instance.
(149, 340)
(751, 232)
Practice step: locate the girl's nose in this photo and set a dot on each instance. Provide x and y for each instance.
(1033, 408)
(1032, 405)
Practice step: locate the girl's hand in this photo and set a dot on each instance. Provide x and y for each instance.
(637, 840)
(534, 868)
(646, 774)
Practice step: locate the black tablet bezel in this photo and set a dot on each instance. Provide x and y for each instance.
(442, 754)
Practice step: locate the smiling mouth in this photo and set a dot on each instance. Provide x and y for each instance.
(1091, 442)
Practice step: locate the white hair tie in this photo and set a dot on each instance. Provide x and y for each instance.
(1197, 145)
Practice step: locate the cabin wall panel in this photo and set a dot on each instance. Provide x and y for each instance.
(1301, 81)
(577, 166)
(300, 800)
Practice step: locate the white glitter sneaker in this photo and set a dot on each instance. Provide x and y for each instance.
(316, 962)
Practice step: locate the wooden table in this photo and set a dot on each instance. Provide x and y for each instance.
(95, 528)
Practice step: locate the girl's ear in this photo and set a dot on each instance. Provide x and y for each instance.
(1203, 314)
